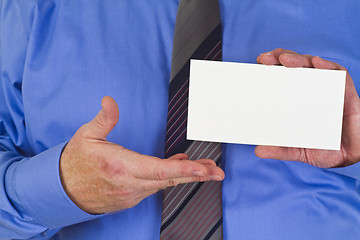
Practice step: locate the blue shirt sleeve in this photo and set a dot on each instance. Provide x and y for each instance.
(33, 202)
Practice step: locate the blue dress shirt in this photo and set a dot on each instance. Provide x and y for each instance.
(58, 58)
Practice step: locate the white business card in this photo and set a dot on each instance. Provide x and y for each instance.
(265, 105)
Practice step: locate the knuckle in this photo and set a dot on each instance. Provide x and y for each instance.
(173, 182)
(100, 121)
(114, 171)
(310, 158)
(301, 156)
(160, 174)
(124, 192)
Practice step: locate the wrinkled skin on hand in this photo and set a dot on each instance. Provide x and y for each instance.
(101, 177)
(350, 141)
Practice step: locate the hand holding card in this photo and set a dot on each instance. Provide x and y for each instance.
(299, 109)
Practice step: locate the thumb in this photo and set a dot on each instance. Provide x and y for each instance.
(104, 121)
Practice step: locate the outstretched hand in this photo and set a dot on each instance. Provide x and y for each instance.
(350, 142)
(100, 176)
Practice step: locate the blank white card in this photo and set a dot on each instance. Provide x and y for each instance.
(265, 105)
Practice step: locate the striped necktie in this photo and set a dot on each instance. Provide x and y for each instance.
(191, 211)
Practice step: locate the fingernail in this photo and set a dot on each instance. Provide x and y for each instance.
(198, 174)
(215, 178)
(267, 53)
(288, 54)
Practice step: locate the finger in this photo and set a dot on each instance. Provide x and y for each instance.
(156, 185)
(296, 60)
(158, 169)
(206, 162)
(184, 156)
(321, 63)
(166, 169)
(180, 156)
(148, 167)
(272, 57)
(279, 153)
(104, 121)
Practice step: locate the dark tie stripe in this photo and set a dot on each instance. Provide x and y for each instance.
(213, 230)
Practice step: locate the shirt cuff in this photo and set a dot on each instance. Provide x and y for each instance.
(352, 171)
(40, 191)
